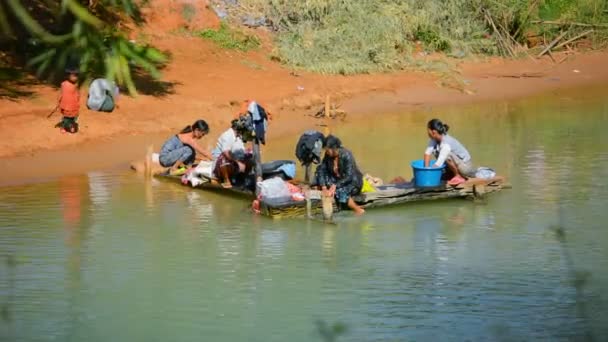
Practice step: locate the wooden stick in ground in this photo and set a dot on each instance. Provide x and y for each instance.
(307, 170)
(327, 109)
(257, 160)
(574, 38)
(148, 161)
(552, 44)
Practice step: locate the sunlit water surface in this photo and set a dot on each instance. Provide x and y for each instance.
(109, 256)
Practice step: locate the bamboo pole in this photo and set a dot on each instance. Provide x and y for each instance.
(574, 38)
(257, 159)
(562, 23)
(148, 161)
(552, 44)
(326, 129)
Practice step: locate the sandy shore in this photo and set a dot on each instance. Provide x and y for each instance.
(204, 82)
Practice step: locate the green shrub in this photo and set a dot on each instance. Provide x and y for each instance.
(229, 38)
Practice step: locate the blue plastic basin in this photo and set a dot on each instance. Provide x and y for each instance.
(426, 176)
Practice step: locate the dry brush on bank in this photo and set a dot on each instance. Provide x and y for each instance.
(348, 37)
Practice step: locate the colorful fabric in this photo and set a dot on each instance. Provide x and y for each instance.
(70, 99)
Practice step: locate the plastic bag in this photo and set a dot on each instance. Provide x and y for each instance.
(274, 188)
(367, 187)
(485, 173)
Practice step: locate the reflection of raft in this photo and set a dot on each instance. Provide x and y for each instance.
(386, 195)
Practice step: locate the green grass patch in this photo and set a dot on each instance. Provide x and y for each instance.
(363, 36)
(229, 38)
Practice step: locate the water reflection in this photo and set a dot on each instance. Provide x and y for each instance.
(117, 256)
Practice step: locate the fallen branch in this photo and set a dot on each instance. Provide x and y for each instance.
(523, 75)
(565, 23)
(574, 38)
(552, 44)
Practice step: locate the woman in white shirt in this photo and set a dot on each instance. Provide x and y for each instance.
(448, 150)
(229, 158)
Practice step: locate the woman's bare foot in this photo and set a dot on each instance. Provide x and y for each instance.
(227, 185)
(354, 207)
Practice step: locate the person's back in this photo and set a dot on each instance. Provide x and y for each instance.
(70, 99)
(457, 148)
(102, 95)
(228, 141)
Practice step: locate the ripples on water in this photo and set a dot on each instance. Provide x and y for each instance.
(110, 256)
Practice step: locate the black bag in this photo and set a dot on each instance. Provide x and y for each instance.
(308, 148)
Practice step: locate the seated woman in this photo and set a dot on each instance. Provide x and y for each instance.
(182, 148)
(338, 175)
(449, 150)
(229, 158)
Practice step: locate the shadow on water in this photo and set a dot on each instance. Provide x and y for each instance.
(330, 333)
(578, 278)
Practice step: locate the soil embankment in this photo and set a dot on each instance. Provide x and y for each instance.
(203, 81)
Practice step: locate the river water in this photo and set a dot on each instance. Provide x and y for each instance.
(109, 256)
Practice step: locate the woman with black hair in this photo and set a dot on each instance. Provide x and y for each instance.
(229, 157)
(181, 149)
(448, 150)
(338, 175)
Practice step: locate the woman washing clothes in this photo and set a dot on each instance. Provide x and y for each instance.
(229, 157)
(338, 174)
(449, 150)
(181, 149)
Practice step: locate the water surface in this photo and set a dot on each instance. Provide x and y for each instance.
(109, 256)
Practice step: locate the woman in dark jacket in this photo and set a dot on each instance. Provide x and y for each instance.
(338, 175)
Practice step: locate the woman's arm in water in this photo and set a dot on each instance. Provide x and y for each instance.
(428, 152)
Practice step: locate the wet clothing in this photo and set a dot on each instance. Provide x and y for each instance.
(260, 121)
(308, 148)
(102, 95)
(451, 149)
(69, 103)
(348, 179)
(175, 150)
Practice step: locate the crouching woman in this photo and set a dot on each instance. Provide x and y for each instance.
(181, 149)
(338, 175)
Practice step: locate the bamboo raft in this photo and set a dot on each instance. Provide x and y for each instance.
(386, 195)
(212, 187)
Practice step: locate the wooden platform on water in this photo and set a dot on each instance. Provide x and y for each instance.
(387, 195)
(212, 187)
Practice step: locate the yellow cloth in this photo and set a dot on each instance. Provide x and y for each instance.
(367, 187)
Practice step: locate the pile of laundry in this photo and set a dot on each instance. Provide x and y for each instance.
(277, 191)
(202, 173)
(277, 188)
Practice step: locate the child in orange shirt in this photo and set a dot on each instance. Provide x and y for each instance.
(69, 102)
